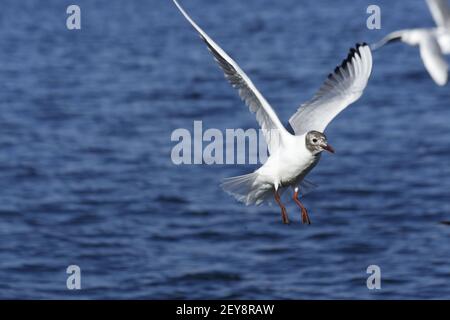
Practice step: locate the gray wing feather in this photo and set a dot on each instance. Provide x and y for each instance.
(265, 115)
(391, 37)
(440, 11)
(433, 59)
(342, 87)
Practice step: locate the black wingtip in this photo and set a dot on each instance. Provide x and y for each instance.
(346, 61)
(357, 46)
(364, 44)
(352, 52)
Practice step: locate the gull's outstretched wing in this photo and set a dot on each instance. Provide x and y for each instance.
(433, 59)
(440, 11)
(268, 120)
(391, 37)
(343, 87)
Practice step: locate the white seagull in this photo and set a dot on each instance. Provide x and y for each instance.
(433, 42)
(292, 157)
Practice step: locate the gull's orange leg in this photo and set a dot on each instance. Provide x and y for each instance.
(284, 215)
(305, 217)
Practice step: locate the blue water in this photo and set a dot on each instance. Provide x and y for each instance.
(86, 176)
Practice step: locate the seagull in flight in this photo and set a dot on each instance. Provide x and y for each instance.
(433, 43)
(292, 156)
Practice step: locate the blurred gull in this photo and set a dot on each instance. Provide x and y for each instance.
(433, 42)
(292, 157)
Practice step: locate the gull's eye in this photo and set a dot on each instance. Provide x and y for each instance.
(315, 140)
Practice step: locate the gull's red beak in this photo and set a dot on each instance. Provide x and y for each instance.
(328, 148)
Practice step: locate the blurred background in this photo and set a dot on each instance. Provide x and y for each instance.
(86, 176)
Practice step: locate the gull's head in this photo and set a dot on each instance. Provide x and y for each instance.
(316, 142)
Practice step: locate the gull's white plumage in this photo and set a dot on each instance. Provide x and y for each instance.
(266, 117)
(342, 88)
(440, 12)
(290, 158)
(433, 43)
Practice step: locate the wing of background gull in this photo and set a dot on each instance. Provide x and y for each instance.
(433, 59)
(440, 11)
(268, 120)
(343, 87)
(391, 37)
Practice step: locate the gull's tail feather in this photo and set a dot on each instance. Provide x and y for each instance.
(245, 189)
